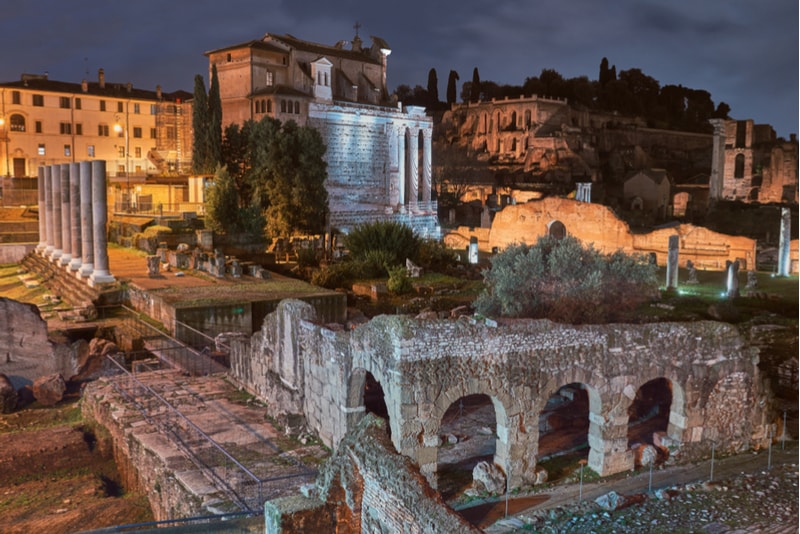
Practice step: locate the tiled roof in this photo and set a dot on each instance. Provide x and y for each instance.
(324, 50)
(278, 90)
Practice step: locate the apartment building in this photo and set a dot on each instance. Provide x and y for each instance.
(138, 132)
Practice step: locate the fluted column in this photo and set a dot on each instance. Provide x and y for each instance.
(75, 216)
(66, 218)
(100, 275)
(426, 164)
(87, 220)
(401, 164)
(48, 208)
(55, 173)
(413, 166)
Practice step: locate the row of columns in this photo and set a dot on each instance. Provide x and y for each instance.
(410, 189)
(73, 213)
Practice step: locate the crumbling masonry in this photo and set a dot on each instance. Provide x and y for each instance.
(424, 366)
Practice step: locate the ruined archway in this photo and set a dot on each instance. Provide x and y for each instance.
(468, 433)
(649, 417)
(556, 229)
(365, 395)
(564, 430)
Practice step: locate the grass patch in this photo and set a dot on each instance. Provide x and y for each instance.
(37, 417)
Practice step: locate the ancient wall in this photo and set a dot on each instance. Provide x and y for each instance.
(598, 225)
(13, 253)
(367, 487)
(426, 366)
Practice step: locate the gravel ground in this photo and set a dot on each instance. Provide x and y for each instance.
(745, 497)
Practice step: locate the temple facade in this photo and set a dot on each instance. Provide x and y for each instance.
(378, 152)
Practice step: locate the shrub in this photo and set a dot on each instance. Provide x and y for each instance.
(399, 282)
(564, 281)
(435, 256)
(396, 240)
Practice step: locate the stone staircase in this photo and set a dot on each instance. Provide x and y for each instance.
(66, 285)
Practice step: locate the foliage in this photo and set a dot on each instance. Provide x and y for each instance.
(338, 275)
(153, 231)
(223, 210)
(434, 256)
(206, 125)
(564, 281)
(452, 81)
(397, 240)
(307, 257)
(399, 283)
(214, 121)
(433, 88)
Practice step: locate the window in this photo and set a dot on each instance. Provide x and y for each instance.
(120, 170)
(120, 107)
(228, 58)
(38, 126)
(269, 106)
(65, 128)
(102, 105)
(63, 102)
(67, 150)
(283, 106)
(77, 103)
(16, 97)
(102, 130)
(90, 150)
(121, 151)
(171, 134)
(326, 79)
(137, 151)
(270, 79)
(152, 133)
(153, 109)
(297, 107)
(38, 100)
(136, 108)
(738, 167)
(41, 150)
(79, 129)
(16, 123)
(137, 131)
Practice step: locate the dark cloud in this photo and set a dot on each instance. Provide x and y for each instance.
(743, 52)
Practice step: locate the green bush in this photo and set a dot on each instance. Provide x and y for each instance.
(307, 257)
(396, 240)
(564, 281)
(399, 283)
(153, 231)
(436, 256)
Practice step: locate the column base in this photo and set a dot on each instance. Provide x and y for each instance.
(85, 271)
(56, 254)
(97, 279)
(74, 264)
(48, 250)
(65, 259)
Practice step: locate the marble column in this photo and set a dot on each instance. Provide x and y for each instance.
(413, 167)
(87, 230)
(42, 211)
(66, 217)
(672, 263)
(48, 208)
(55, 173)
(75, 216)
(100, 275)
(401, 164)
(784, 243)
(427, 159)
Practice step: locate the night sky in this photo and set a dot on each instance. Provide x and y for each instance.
(744, 52)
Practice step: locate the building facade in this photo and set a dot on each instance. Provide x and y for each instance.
(378, 152)
(138, 132)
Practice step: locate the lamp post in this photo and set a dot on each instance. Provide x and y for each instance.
(119, 129)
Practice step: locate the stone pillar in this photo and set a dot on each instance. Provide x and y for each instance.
(42, 211)
(55, 173)
(717, 161)
(66, 217)
(75, 216)
(100, 275)
(608, 444)
(426, 164)
(672, 263)
(401, 163)
(473, 250)
(87, 221)
(413, 167)
(784, 243)
(48, 208)
(732, 267)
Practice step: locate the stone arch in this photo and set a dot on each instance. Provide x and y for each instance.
(357, 403)
(16, 123)
(637, 204)
(738, 166)
(656, 410)
(513, 124)
(527, 118)
(556, 229)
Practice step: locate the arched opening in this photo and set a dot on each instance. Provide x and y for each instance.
(738, 166)
(637, 204)
(564, 431)
(16, 123)
(468, 433)
(557, 230)
(648, 418)
(513, 124)
(374, 399)
(527, 118)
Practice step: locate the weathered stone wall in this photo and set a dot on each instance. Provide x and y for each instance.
(426, 366)
(598, 225)
(13, 253)
(367, 487)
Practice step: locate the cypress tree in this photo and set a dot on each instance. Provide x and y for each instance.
(451, 87)
(200, 126)
(214, 154)
(433, 87)
(475, 88)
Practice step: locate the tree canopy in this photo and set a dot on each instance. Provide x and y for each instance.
(207, 125)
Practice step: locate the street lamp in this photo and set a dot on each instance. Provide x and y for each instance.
(119, 129)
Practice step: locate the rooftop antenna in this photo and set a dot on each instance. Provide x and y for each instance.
(86, 66)
(357, 26)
